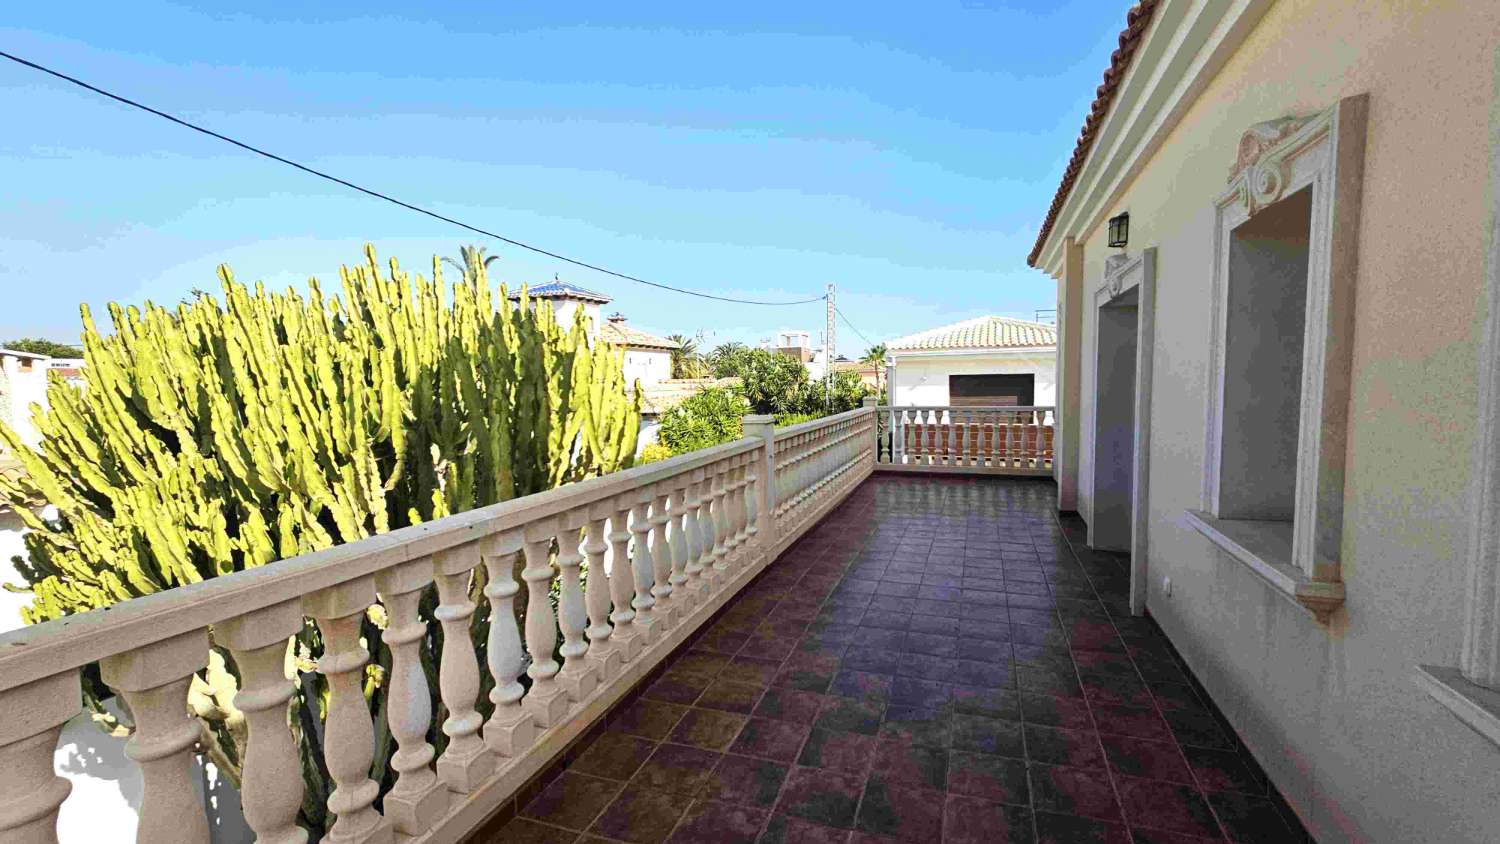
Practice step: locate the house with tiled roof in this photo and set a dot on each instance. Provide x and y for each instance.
(566, 298)
(648, 358)
(985, 361)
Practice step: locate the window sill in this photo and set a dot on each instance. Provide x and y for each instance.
(1476, 706)
(1266, 548)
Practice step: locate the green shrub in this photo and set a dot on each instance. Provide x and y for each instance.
(653, 453)
(705, 419)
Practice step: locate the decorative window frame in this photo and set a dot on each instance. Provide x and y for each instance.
(1324, 152)
(1471, 691)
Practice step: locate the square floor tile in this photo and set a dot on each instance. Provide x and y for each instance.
(998, 779)
(652, 719)
(614, 755)
(851, 715)
(1067, 829)
(785, 829)
(1224, 770)
(676, 768)
(1073, 791)
(969, 820)
(709, 822)
(822, 796)
(770, 739)
(744, 779)
(708, 728)
(572, 800)
(526, 831)
(730, 696)
(1157, 760)
(912, 765)
(979, 734)
(1053, 746)
(900, 812)
(1165, 805)
(640, 816)
(1253, 820)
(840, 751)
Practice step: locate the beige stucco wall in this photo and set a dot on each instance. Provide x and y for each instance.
(647, 366)
(922, 380)
(1332, 712)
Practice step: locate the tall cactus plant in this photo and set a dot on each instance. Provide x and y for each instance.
(221, 436)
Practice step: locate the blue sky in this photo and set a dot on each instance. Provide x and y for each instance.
(904, 152)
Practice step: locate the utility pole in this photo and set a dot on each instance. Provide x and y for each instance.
(828, 347)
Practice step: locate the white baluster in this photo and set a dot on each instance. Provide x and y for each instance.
(348, 736)
(511, 729)
(546, 701)
(752, 498)
(417, 800)
(465, 762)
(693, 533)
(154, 681)
(679, 544)
(740, 534)
(271, 781)
(734, 509)
(1036, 438)
(643, 567)
(720, 522)
(604, 654)
(30, 793)
(577, 675)
(626, 638)
(666, 608)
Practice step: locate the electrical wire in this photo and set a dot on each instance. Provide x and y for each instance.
(378, 195)
(851, 326)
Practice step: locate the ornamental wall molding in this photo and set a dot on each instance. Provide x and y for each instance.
(1267, 155)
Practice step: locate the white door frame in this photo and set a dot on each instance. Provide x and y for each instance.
(1122, 275)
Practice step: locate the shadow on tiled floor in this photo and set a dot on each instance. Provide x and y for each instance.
(940, 660)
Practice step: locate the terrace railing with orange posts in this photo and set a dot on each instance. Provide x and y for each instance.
(978, 440)
(666, 544)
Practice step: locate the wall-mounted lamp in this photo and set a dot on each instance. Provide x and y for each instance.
(1119, 230)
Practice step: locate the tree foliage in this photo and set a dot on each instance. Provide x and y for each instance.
(703, 420)
(38, 346)
(687, 361)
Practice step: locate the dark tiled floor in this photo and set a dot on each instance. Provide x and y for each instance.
(940, 660)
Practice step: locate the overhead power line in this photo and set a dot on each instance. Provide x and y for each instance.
(852, 328)
(378, 195)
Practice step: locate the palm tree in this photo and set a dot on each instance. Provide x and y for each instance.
(687, 362)
(471, 261)
(876, 355)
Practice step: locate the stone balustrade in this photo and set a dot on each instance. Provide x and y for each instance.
(661, 547)
(977, 440)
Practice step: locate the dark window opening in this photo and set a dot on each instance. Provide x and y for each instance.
(991, 390)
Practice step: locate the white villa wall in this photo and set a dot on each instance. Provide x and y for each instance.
(1332, 712)
(649, 366)
(22, 389)
(922, 379)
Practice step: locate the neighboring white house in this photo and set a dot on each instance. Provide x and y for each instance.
(648, 358)
(23, 381)
(566, 299)
(986, 361)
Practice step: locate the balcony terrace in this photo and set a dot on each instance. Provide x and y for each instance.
(779, 645)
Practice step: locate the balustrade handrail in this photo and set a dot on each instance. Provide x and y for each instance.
(40, 650)
(820, 422)
(665, 546)
(967, 407)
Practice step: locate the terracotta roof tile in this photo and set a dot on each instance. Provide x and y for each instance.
(1136, 21)
(621, 334)
(987, 332)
